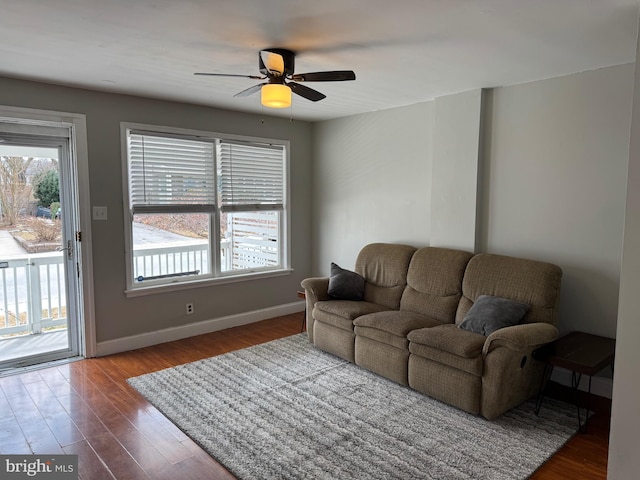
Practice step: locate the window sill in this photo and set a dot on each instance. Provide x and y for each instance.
(209, 282)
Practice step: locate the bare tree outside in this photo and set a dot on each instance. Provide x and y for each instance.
(39, 167)
(15, 192)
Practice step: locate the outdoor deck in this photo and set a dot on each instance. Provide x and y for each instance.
(25, 345)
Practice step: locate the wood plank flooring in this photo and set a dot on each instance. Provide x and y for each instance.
(87, 408)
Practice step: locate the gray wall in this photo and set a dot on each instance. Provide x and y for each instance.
(624, 461)
(371, 182)
(117, 316)
(456, 162)
(553, 183)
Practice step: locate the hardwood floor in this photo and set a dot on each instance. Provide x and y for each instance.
(87, 408)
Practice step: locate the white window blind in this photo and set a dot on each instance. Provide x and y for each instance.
(251, 176)
(173, 173)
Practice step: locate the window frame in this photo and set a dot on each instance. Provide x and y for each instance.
(216, 276)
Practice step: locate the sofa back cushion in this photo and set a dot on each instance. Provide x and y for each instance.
(384, 268)
(434, 282)
(528, 281)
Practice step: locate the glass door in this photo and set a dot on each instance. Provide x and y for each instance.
(39, 259)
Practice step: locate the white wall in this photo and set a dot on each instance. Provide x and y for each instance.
(371, 183)
(456, 160)
(624, 461)
(554, 184)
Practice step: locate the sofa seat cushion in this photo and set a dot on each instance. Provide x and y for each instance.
(392, 327)
(341, 313)
(449, 345)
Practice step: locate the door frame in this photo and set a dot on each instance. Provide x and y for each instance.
(80, 163)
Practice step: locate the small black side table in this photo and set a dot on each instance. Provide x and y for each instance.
(583, 354)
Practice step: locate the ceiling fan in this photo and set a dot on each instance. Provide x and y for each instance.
(277, 67)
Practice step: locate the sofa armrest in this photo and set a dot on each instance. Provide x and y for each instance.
(315, 290)
(521, 338)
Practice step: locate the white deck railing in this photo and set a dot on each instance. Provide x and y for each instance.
(32, 293)
(32, 288)
(155, 261)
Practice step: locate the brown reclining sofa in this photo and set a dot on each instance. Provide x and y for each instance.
(455, 326)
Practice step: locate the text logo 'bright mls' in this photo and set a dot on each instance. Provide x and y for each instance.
(51, 467)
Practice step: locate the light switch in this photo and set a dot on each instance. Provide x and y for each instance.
(99, 213)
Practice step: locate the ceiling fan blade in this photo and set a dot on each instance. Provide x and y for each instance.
(306, 92)
(255, 77)
(335, 76)
(273, 61)
(250, 90)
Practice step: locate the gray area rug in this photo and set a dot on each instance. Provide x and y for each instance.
(286, 410)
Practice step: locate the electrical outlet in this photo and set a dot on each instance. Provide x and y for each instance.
(189, 308)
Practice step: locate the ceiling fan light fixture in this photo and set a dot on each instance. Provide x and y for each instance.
(276, 95)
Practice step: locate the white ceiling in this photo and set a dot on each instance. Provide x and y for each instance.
(403, 51)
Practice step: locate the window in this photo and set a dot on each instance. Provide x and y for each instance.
(202, 206)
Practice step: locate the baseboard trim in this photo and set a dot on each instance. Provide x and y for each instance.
(601, 386)
(142, 340)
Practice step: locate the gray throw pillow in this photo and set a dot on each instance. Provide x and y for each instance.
(489, 314)
(345, 284)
